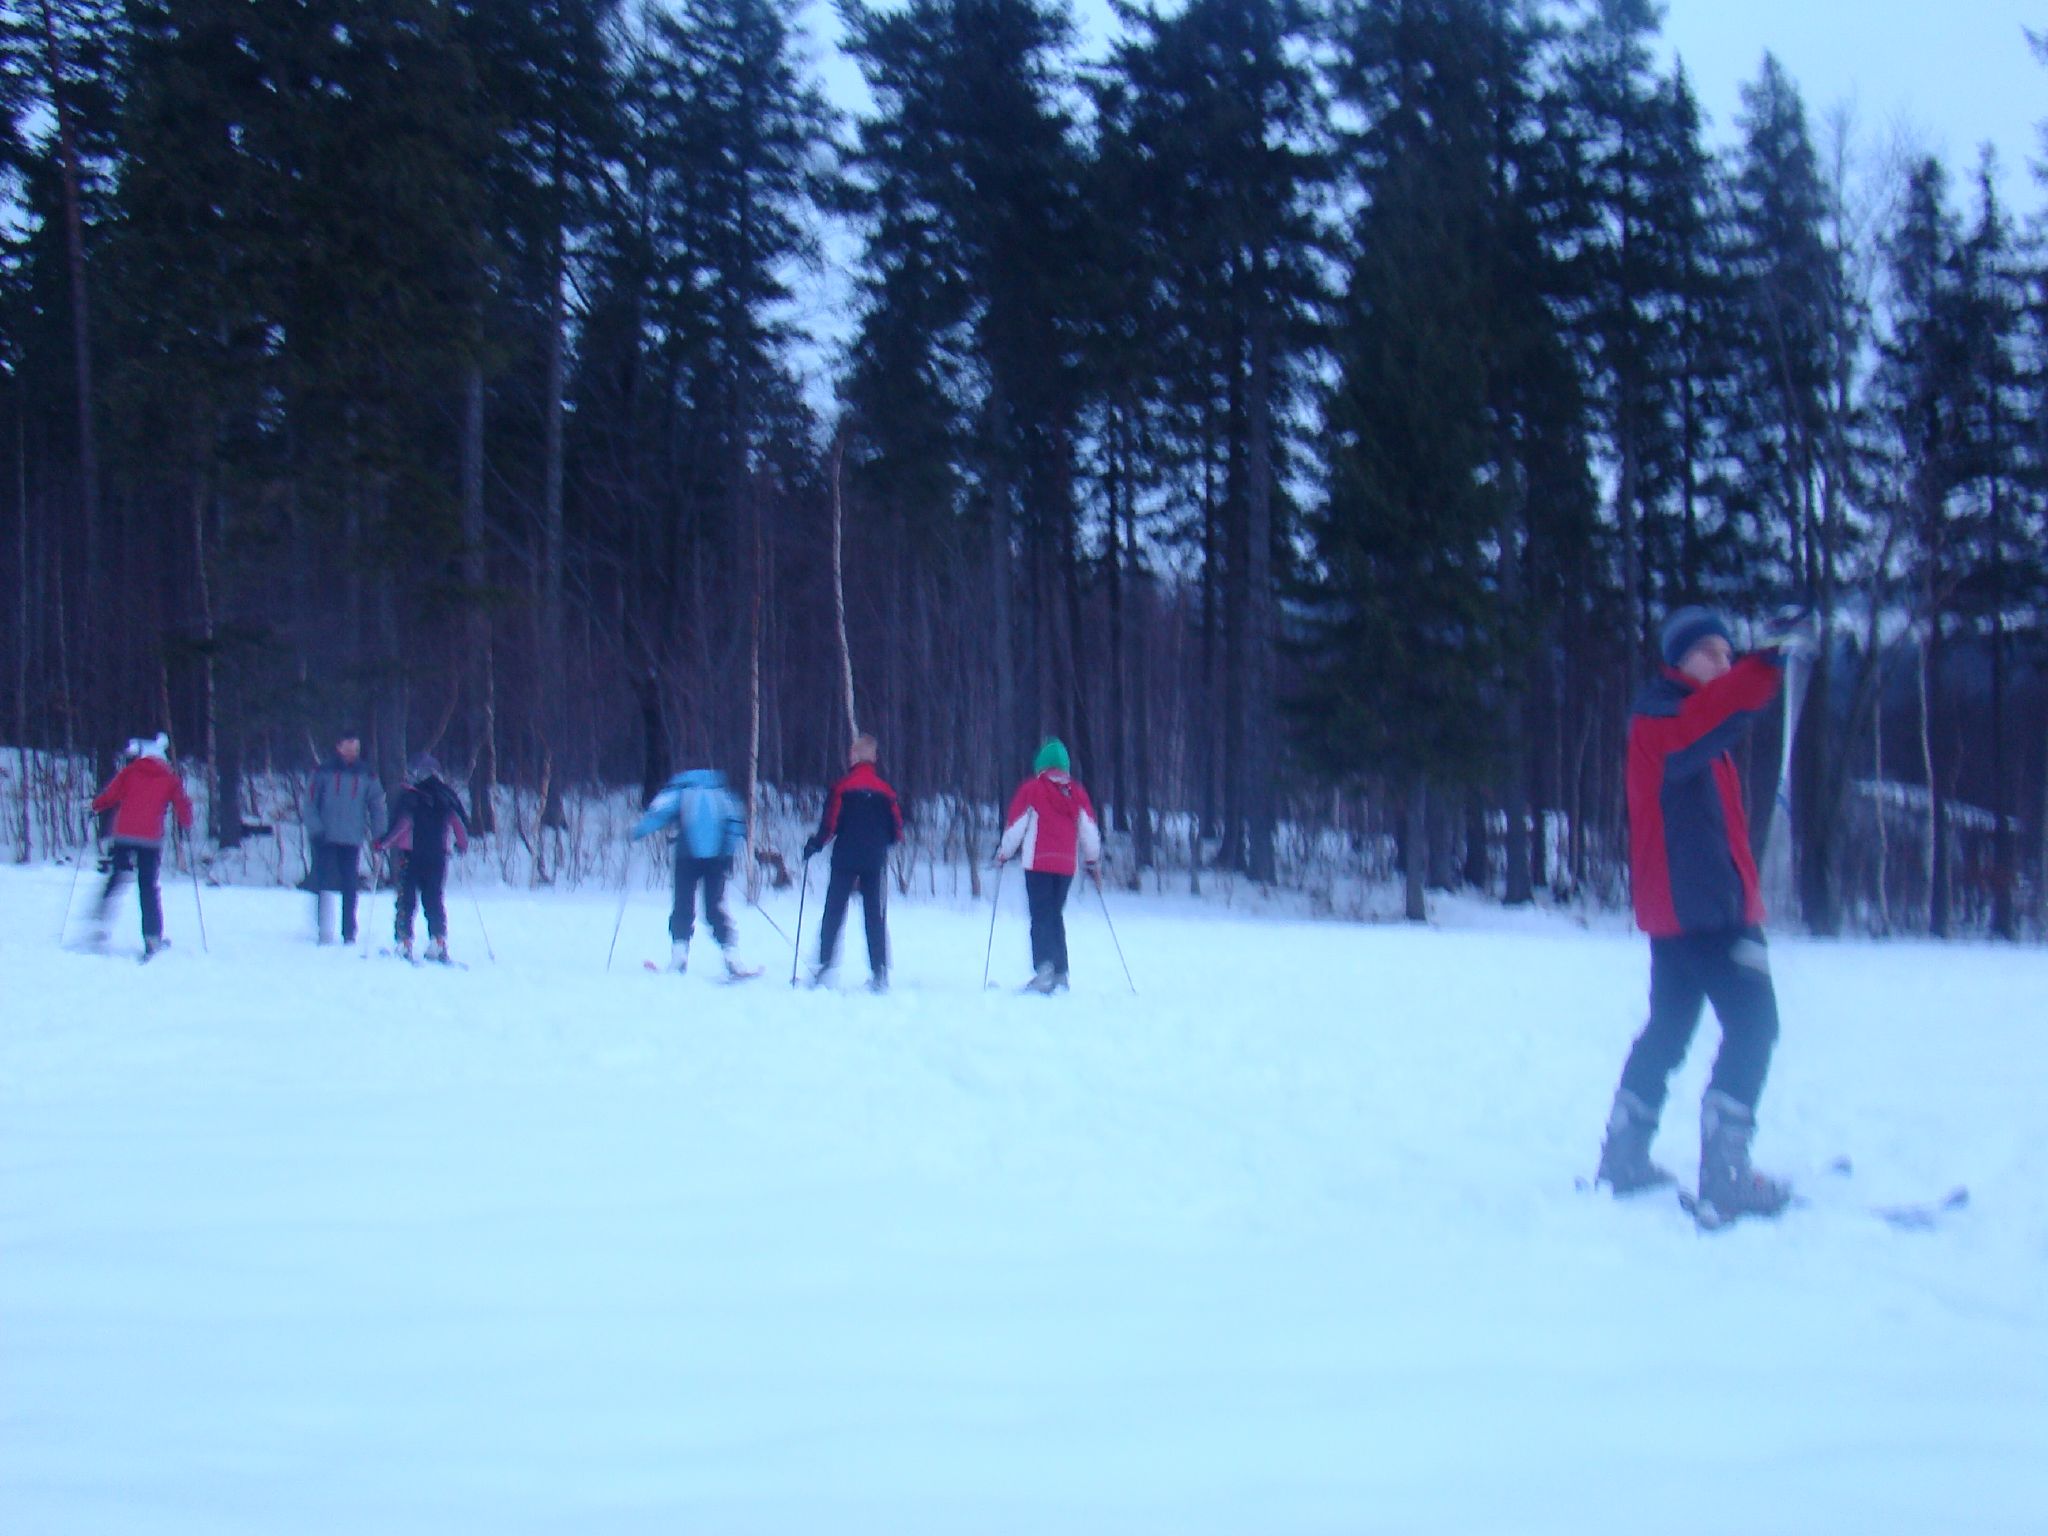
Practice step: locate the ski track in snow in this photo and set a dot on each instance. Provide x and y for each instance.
(290, 1242)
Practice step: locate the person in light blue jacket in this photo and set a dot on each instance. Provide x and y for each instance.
(709, 829)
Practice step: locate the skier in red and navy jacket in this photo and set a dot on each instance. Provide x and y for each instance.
(863, 820)
(138, 796)
(1051, 827)
(1696, 896)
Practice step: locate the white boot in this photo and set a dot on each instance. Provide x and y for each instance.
(678, 957)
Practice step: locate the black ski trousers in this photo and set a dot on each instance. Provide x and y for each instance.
(334, 869)
(145, 861)
(1733, 970)
(422, 882)
(682, 917)
(873, 885)
(1048, 896)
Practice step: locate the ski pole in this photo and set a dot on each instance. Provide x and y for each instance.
(796, 945)
(478, 908)
(771, 922)
(1120, 960)
(85, 843)
(994, 906)
(625, 890)
(192, 863)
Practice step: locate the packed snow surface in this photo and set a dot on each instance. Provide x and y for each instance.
(297, 1241)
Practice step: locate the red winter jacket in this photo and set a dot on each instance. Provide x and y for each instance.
(1688, 834)
(1052, 825)
(141, 791)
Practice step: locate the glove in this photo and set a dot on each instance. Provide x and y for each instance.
(812, 847)
(1794, 630)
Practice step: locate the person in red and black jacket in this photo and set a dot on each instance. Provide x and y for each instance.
(862, 822)
(1696, 896)
(138, 796)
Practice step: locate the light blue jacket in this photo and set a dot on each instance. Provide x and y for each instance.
(709, 820)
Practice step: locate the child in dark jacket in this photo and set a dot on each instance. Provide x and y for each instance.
(426, 816)
(862, 822)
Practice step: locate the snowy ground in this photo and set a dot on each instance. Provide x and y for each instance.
(295, 1242)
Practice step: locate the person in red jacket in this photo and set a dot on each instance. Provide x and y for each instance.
(863, 820)
(1696, 895)
(138, 797)
(1051, 827)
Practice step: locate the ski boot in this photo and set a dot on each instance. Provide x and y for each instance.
(1729, 1187)
(818, 977)
(1045, 982)
(879, 982)
(1625, 1164)
(403, 949)
(678, 958)
(437, 951)
(737, 969)
(151, 948)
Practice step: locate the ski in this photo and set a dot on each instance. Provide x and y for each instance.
(418, 962)
(1906, 1216)
(731, 978)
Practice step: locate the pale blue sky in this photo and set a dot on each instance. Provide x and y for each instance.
(1944, 76)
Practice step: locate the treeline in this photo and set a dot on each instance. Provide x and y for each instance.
(1307, 410)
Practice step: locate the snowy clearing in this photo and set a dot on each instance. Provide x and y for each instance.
(291, 1241)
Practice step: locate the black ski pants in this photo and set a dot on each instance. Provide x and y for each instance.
(145, 861)
(873, 885)
(422, 882)
(334, 869)
(682, 917)
(1733, 970)
(1047, 894)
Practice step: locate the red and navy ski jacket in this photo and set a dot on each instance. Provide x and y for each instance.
(138, 795)
(862, 820)
(1688, 833)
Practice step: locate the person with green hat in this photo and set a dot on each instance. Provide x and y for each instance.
(1051, 827)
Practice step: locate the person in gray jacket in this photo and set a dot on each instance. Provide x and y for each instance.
(344, 810)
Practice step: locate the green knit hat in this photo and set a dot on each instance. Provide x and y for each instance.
(1052, 755)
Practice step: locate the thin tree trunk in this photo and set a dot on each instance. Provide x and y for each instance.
(81, 346)
(1415, 852)
(476, 624)
(839, 583)
(754, 713)
(1937, 803)
(1884, 841)
(1141, 723)
(1258, 731)
(1119, 490)
(224, 811)
(2003, 920)
(1000, 583)
(21, 611)
(553, 666)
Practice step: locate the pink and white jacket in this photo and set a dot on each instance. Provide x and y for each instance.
(1052, 825)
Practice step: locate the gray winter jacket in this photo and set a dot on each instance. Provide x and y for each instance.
(344, 804)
